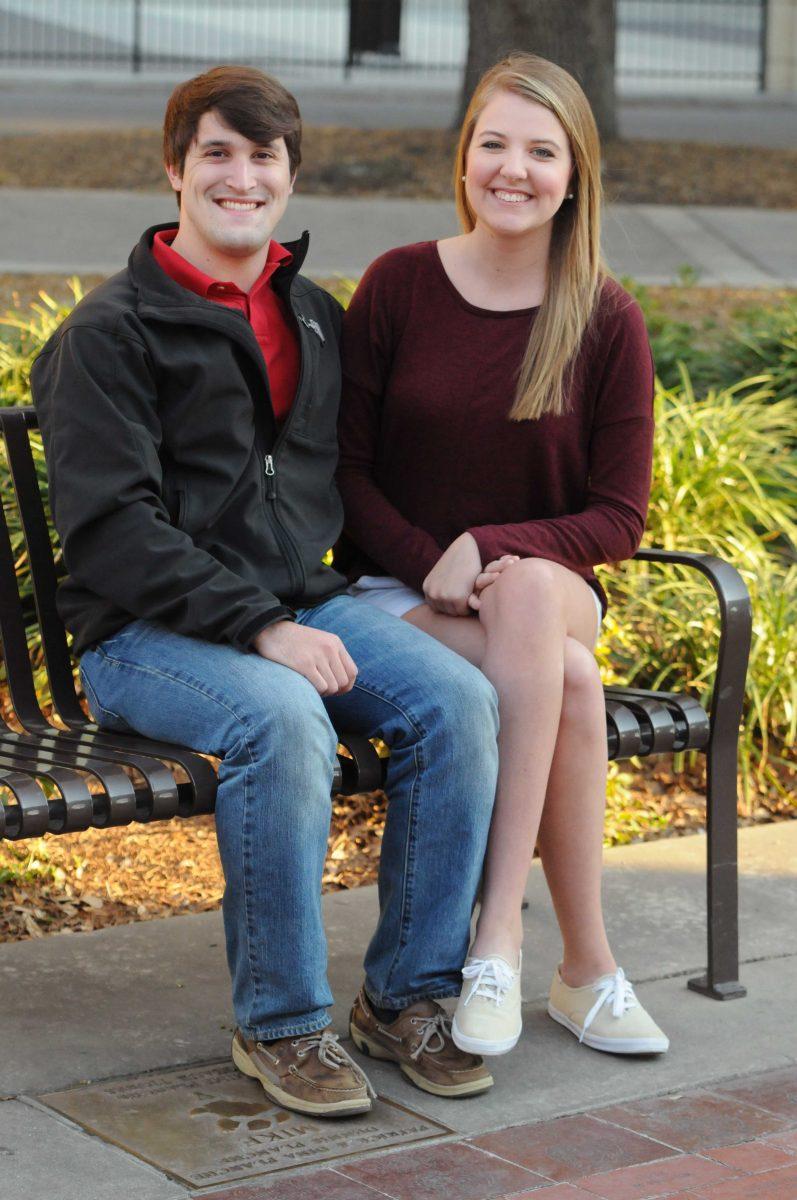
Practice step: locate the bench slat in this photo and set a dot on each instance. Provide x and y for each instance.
(30, 816)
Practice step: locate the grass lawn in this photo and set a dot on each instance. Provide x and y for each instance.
(412, 163)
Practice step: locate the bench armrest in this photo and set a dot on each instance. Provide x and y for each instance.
(736, 622)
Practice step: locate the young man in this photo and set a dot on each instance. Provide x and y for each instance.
(188, 408)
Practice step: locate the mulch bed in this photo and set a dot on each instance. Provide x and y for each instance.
(78, 882)
(412, 163)
(83, 881)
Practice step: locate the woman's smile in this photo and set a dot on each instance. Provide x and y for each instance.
(511, 197)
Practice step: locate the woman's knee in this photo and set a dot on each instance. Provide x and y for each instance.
(527, 594)
(583, 692)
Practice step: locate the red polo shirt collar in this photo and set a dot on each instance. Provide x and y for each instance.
(273, 327)
(189, 276)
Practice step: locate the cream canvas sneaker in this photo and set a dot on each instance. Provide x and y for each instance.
(606, 1015)
(487, 1018)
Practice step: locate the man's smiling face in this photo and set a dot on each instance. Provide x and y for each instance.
(233, 192)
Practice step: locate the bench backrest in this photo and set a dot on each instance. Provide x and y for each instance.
(27, 553)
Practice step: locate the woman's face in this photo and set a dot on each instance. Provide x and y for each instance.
(518, 166)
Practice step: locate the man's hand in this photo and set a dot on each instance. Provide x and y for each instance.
(488, 576)
(321, 657)
(452, 579)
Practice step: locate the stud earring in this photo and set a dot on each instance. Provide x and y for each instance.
(569, 196)
(462, 177)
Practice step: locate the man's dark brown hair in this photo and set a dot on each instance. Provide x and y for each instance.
(251, 103)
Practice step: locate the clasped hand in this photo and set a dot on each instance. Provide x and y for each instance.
(456, 581)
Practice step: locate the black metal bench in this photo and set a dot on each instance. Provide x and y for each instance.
(63, 779)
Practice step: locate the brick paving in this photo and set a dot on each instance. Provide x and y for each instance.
(735, 1141)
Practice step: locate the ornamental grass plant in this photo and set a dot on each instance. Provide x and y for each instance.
(22, 335)
(758, 339)
(724, 482)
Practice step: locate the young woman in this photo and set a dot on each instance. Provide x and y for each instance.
(496, 434)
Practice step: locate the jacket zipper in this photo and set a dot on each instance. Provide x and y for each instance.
(286, 544)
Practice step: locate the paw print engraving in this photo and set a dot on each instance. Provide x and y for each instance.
(237, 1114)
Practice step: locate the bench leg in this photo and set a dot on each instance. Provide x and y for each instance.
(721, 982)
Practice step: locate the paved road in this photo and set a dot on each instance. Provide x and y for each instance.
(42, 102)
(90, 231)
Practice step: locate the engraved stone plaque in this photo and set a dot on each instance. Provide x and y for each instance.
(209, 1124)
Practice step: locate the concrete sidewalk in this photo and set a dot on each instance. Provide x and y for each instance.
(42, 101)
(93, 231)
(141, 998)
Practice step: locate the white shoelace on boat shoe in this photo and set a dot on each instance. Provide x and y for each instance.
(615, 990)
(437, 1027)
(434, 1031)
(331, 1054)
(493, 978)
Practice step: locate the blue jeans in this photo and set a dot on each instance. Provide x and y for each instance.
(275, 738)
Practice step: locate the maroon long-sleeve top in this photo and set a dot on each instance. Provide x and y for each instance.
(427, 450)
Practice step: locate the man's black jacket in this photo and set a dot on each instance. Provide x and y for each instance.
(173, 494)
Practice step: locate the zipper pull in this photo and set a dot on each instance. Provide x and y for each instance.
(271, 478)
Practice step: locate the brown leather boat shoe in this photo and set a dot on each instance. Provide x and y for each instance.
(310, 1074)
(419, 1041)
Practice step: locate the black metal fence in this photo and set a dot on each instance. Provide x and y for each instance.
(662, 45)
(684, 44)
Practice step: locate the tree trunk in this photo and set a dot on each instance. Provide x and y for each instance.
(576, 34)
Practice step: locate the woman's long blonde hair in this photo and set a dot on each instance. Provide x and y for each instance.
(575, 267)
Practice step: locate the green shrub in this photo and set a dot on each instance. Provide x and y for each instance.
(22, 337)
(756, 340)
(723, 483)
(765, 340)
(674, 341)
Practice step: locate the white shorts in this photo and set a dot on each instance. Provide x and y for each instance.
(395, 597)
(387, 593)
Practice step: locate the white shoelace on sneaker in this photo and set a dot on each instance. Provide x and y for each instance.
(614, 989)
(332, 1054)
(493, 978)
(439, 1027)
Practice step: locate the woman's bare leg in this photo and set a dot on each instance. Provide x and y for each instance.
(570, 838)
(527, 617)
(464, 634)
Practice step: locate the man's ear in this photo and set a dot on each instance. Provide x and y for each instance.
(175, 177)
